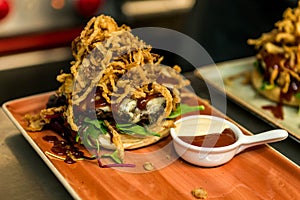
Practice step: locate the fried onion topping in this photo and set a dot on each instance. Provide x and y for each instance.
(120, 65)
(284, 42)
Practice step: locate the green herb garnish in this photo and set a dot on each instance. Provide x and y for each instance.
(90, 132)
(267, 86)
(183, 109)
(135, 129)
(99, 124)
(259, 67)
(297, 95)
(90, 137)
(114, 156)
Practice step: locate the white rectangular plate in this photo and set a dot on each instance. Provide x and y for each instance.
(245, 94)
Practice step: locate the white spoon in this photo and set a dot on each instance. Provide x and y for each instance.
(214, 156)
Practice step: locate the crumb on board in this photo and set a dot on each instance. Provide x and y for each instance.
(199, 193)
(148, 166)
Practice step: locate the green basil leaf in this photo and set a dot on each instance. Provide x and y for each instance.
(114, 156)
(89, 137)
(91, 131)
(136, 129)
(99, 124)
(77, 138)
(267, 86)
(183, 109)
(259, 67)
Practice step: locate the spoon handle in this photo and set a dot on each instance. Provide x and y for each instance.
(262, 138)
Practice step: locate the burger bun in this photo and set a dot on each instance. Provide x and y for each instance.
(271, 94)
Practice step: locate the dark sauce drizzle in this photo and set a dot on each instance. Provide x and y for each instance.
(67, 147)
(227, 137)
(63, 148)
(272, 62)
(276, 110)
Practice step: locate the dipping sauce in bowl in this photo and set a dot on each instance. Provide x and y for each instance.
(206, 131)
(205, 140)
(225, 138)
(211, 141)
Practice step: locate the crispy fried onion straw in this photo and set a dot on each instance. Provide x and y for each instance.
(151, 79)
(283, 40)
(105, 52)
(109, 57)
(102, 53)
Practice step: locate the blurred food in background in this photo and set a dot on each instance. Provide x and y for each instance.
(36, 35)
(223, 27)
(157, 13)
(34, 24)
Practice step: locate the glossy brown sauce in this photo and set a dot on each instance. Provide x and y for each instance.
(142, 102)
(294, 88)
(272, 62)
(94, 100)
(63, 148)
(50, 138)
(276, 110)
(226, 138)
(98, 100)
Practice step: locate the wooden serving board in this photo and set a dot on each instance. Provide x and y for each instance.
(258, 173)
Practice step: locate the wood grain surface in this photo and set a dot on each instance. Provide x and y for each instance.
(257, 173)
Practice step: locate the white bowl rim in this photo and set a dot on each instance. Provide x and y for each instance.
(230, 147)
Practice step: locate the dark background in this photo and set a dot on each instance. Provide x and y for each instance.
(222, 27)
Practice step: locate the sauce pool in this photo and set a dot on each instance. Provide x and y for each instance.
(277, 110)
(227, 137)
(63, 148)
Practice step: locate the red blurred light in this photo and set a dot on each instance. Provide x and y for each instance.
(4, 8)
(88, 8)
